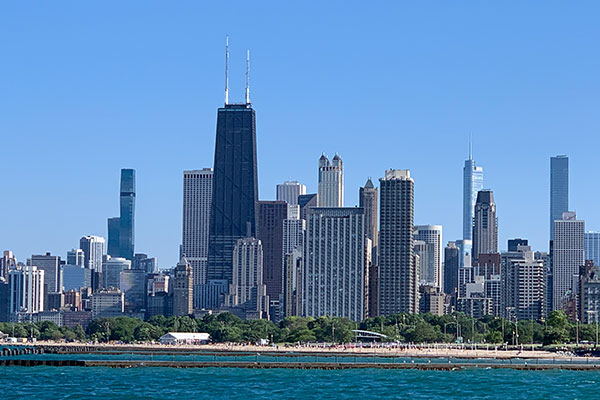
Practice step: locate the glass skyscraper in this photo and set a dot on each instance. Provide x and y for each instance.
(591, 244)
(559, 189)
(127, 231)
(472, 184)
(235, 187)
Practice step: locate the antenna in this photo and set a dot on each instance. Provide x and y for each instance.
(470, 146)
(248, 77)
(226, 69)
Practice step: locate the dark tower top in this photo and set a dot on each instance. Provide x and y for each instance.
(235, 187)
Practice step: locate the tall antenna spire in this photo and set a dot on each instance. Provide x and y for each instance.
(470, 146)
(248, 77)
(226, 69)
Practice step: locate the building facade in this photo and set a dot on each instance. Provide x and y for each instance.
(334, 273)
(197, 202)
(331, 182)
(567, 258)
(472, 184)
(26, 290)
(451, 265)
(183, 289)
(398, 282)
(367, 200)
(289, 191)
(272, 215)
(559, 189)
(431, 272)
(485, 225)
(591, 244)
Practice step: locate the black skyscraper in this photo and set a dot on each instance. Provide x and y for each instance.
(235, 187)
(121, 230)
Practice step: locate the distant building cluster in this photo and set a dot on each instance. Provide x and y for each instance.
(306, 254)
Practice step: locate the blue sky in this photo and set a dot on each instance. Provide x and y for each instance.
(92, 87)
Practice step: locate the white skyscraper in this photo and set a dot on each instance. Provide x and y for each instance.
(197, 198)
(568, 256)
(93, 250)
(431, 271)
(331, 182)
(289, 191)
(472, 184)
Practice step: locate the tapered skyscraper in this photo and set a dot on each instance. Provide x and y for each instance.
(559, 189)
(485, 225)
(235, 185)
(472, 184)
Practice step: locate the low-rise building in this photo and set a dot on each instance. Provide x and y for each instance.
(185, 338)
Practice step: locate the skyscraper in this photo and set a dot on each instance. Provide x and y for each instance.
(7, 261)
(121, 230)
(26, 287)
(451, 265)
(331, 182)
(567, 258)
(559, 189)
(367, 200)
(398, 284)
(592, 247)
(334, 265)
(235, 187)
(52, 272)
(93, 251)
(197, 198)
(127, 218)
(272, 215)
(76, 257)
(289, 191)
(472, 184)
(306, 201)
(485, 225)
(183, 290)
(432, 235)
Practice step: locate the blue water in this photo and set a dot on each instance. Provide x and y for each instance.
(249, 384)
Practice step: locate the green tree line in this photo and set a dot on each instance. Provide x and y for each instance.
(226, 327)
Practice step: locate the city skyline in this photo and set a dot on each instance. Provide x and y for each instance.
(153, 125)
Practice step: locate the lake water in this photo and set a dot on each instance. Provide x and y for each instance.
(249, 384)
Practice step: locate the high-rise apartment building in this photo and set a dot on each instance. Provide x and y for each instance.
(183, 289)
(334, 263)
(398, 283)
(559, 189)
(26, 290)
(289, 191)
(272, 215)
(431, 272)
(235, 187)
(591, 244)
(568, 257)
(367, 200)
(247, 289)
(121, 229)
(485, 225)
(197, 202)
(331, 182)
(93, 251)
(472, 184)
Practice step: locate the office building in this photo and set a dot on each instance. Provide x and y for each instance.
(76, 257)
(73, 277)
(451, 265)
(529, 287)
(26, 290)
(293, 235)
(485, 225)
(133, 285)
(292, 288)
(306, 201)
(289, 191)
(124, 225)
(431, 273)
(113, 266)
(183, 289)
(197, 202)
(559, 189)
(591, 244)
(53, 273)
(93, 251)
(234, 205)
(472, 184)
(568, 257)
(397, 271)
(331, 182)
(334, 263)
(247, 290)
